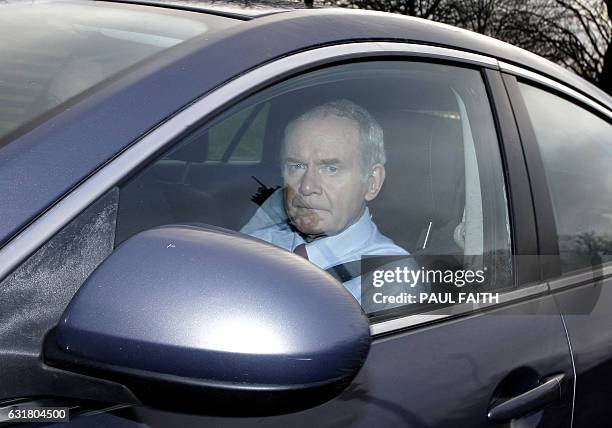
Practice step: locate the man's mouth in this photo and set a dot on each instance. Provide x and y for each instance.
(300, 204)
(309, 208)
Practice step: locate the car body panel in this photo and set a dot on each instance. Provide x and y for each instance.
(444, 375)
(586, 312)
(584, 297)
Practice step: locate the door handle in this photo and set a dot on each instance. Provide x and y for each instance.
(547, 392)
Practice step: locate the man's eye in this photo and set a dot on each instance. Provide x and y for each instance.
(330, 169)
(295, 166)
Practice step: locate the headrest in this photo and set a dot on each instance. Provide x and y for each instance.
(425, 170)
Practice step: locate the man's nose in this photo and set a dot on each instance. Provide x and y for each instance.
(310, 183)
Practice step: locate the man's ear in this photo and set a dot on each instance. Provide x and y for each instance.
(376, 178)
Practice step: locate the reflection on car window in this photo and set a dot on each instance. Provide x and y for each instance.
(71, 46)
(361, 161)
(577, 156)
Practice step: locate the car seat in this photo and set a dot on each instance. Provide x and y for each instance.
(422, 200)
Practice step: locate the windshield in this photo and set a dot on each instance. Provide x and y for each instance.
(52, 51)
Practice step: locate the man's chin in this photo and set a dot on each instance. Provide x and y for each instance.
(308, 227)
(311, 231)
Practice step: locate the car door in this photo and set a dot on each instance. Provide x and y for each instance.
(571, 164)
(456, 190)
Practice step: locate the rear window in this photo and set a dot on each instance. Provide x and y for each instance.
(53, 51)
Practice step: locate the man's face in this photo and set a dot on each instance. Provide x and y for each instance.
(323, 174)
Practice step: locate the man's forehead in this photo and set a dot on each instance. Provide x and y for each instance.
(326, 137)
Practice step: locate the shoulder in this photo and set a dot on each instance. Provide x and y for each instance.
(381, 245)
(267, 232)
(269, 216)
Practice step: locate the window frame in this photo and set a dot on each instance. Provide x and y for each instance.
(546, 224)
(206, 108)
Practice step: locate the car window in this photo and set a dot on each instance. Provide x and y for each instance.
(71, 46)
(361, 168)
(576, 149)
(239, 138)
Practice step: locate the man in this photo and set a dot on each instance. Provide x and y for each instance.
(333, 160)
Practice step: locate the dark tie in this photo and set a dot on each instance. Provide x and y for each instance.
(300, 250)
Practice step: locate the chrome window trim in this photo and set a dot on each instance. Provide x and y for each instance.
(455, 310)
(530, 75)
(581, 277)
(52, 221)
(504, 297)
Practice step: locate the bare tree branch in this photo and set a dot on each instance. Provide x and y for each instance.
(574, 33)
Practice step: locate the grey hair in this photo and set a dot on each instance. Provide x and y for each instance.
(372, 137)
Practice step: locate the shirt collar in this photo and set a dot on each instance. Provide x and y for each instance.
(332, 250)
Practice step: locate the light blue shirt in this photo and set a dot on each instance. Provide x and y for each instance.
(359, 239)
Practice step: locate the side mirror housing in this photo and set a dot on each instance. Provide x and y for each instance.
(210, 321)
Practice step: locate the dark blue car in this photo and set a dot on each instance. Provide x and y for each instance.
(143, 148)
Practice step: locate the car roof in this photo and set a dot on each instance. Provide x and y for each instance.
(355, 24)
(61, 151)
(326, 26)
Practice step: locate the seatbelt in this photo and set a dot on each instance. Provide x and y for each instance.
(344, 272)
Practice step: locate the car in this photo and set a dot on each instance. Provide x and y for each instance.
(137, 139)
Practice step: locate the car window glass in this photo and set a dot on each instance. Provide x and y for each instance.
(240, 137)
(355, 167)
(71, 46)
(576, 149)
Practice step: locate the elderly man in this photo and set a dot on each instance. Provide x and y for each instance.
(333, 160)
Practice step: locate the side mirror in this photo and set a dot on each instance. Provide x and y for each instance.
(209, 321)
